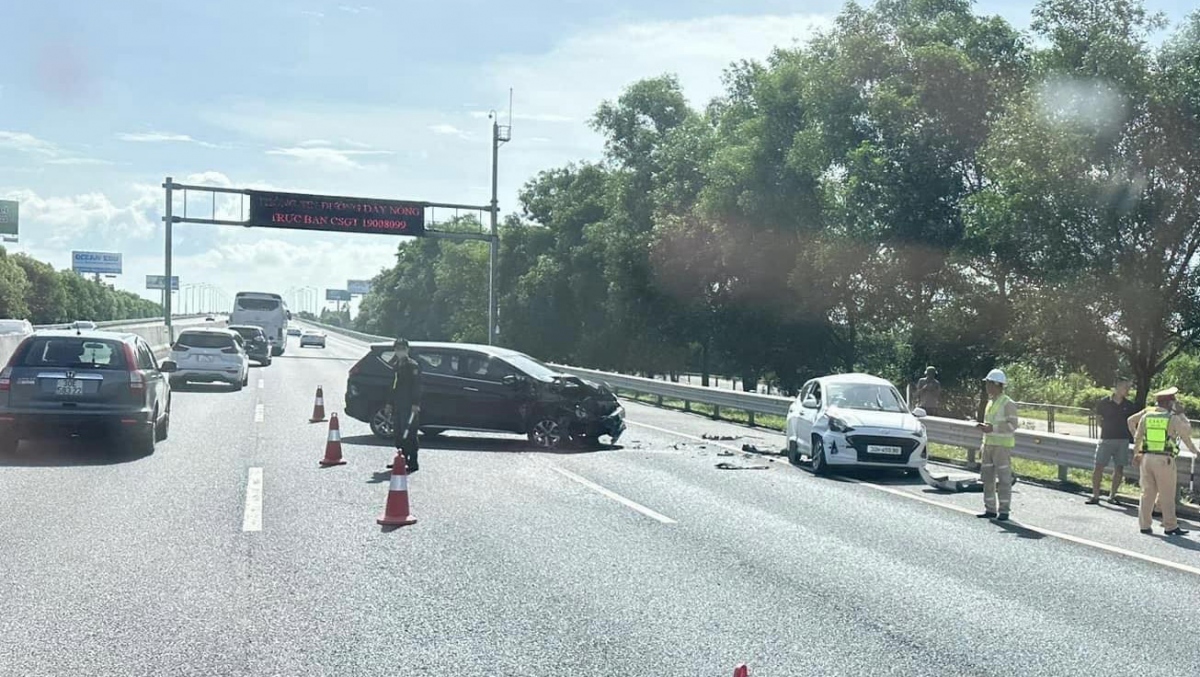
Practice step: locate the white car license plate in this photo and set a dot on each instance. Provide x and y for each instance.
(885, 450)
(68, 386)
(205, 358)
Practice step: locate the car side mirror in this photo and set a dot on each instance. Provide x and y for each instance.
(513, 381)
(920, 413)
(809, 402)
(168, 366)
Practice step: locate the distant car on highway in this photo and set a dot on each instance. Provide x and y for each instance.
(83, 325)
(476, 387)
(210, 318)
(293, 331)
(59, 383)
(854, 420)
(15, 328)
(312, 337)
(258, 348)
(210, 355)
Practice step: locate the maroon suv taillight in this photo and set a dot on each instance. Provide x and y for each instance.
(6, 373)
(137, 381)
(5, 378)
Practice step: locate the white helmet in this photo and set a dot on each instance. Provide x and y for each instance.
(996, 376)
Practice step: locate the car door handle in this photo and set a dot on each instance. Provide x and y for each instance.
(474, 390)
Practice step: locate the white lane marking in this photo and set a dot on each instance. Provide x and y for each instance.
(967, 511)
(613, 495)
(1045, 532)
(259, 412)
(261, 383)
(252, 518)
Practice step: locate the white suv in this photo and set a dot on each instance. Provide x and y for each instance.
(210, 356)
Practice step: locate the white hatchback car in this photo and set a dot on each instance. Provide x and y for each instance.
(210, 355)
(855, 420)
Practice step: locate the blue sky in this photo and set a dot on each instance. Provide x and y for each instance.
(99, 101)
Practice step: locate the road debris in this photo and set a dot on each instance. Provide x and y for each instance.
(724, 438)
(731, 466)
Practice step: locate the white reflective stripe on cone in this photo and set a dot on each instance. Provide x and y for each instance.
(335, 436)
(399, 483)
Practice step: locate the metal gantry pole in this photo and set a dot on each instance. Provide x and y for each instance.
(169, 219)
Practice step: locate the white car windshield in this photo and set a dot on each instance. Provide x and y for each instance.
(866, 396)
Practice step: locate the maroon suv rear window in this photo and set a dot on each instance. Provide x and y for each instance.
(75, 352)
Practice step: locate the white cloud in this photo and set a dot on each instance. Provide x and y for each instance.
(355, 9)
(78, 161)
(88, 220)
(328, 157)
(569, 81)
(444, 129)
(27, 143)
(161, 137)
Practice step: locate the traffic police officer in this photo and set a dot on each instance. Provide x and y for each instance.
(1155, 450)
(999, 427)
(406, 403)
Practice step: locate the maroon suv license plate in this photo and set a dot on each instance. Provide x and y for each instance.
(68, 386)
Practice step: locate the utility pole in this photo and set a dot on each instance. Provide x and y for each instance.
(499, 135)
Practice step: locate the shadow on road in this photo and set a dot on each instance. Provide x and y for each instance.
(1019, 531)
(69, 452)
(484, 444)
(202, 388)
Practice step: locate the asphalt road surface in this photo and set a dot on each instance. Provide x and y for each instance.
(643, 559)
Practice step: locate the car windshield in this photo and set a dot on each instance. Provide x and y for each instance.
(75, 353)
(204, 340)
(530, 366)
(866, 397)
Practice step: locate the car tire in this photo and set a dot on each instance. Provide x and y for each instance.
(266, 362)
(793, 452)
(820, 466)
(381, 423)
(246, 379)
(238, 385)
(547, 433)
(145, 441)
(163, 429)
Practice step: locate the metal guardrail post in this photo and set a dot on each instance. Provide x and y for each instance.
(1050, 421)
(1063, 476)
(716, 412)
(687, 405)
(750, 418)
(658, 400)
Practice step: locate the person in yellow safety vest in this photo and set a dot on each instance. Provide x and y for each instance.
(999, 427)
(1155, 447)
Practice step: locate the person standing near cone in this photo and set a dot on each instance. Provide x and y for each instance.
(1155, 446)
(406, 403)
(999, 438)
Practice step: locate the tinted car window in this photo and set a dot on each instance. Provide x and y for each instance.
(145, 357)
(486, 368)
(248, 333)
(433, 362)
(257, 304)
(205, 340)
(531, 366)
(75, 352)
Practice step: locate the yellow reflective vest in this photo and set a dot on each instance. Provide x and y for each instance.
(995, 416)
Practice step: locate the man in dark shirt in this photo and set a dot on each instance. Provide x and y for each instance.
(406, 403)
(1115, 438)
(929, 393)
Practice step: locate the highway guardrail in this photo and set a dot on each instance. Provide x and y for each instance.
(1064, 451)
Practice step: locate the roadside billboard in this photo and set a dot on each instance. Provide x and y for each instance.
(337, 294)
(358, 287)
(102, 263)
(156, 282)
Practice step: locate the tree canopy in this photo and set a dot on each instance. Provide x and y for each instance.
(918, 184)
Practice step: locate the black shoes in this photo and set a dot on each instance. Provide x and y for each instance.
(1177, 531)
(987, 515)
(1002, 517)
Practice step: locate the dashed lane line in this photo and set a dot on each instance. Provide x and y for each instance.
(914, 497)
(259, 412)
(613, 495)
(252, 517)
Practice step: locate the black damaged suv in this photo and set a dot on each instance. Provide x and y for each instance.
(477, 387)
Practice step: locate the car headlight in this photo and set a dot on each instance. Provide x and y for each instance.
(838, 425)
(580, 412)
(620, 411)
(921, 430)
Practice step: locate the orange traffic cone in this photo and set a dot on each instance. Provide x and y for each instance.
(741, 671)
(318, 407)
(333, 446)
(396, 514)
